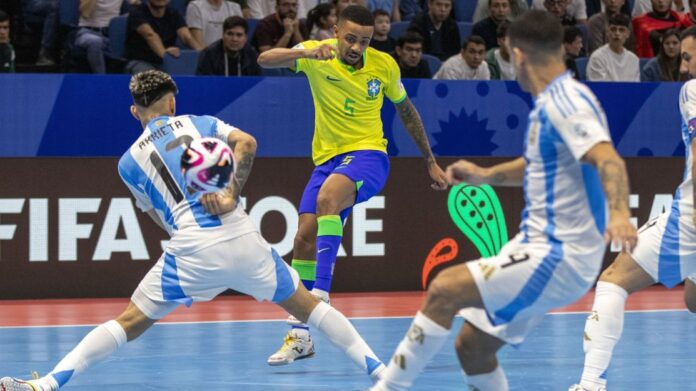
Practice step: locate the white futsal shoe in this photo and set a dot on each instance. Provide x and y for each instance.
(578, 387)
(294, 348)
(12, 384)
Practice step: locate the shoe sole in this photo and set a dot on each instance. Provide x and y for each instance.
(281, 363)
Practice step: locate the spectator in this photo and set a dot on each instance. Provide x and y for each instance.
(93, 29)
(498, 59)
(381, 39)
(205, 18)
(571, 10)
(410, 8)
(488, 28)
(641, 7)
(517, 8)
(559, 9)
(152, 31)
(664, 67)
(594, 7)
(689, 18)
(649, 26)
(259, 9)
(48, 9)
(281, 29)
(391, 6)
(7, 54)
(612, 62)
(343, 4)
(230, 56)
(597, 26)
(439, 31)
(467, 65)
(321, 21)
(572, 47)
(246, 11)
(409, 56)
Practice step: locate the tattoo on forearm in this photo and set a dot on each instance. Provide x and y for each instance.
(615, 183)
(413, 124)
(242, 172)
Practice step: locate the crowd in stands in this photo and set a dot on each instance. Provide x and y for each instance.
(605, 40)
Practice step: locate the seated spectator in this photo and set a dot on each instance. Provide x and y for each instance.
(390, 6)
(570, 11)
(48, 9)
(597, 26)
(321, 21)
(572, 47)
(612, 62)
(498, 59)
(409, 56)
(281, 29)
(594, 7)
(641, 7)
(689, 18)
(230, 56)
(488, 28)
(649, 26)
(343, 4)
(151, 34)
(467, 65)
(92, 34)
(410, 8)
(205, 18)
(381, 39)
(439, 31)
(259, 9)
(7, 54)
(517, 8)
(664, 67)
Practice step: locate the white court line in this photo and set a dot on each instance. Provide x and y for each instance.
(165, 323)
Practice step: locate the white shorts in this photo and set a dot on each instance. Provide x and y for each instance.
(526, 280)
(246, 264)
(666, 248)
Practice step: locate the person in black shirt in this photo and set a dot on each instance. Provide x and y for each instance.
(409, 56)
(487, 28)
(152, 31)
(381, 39)
(230, 56)
(439, 31)
(572, 46)
(7, 54)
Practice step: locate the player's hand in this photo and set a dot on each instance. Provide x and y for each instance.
(438, 176)
(620, 232)
(219, 203)
(323, 52)
(172, 51)
(465, 171)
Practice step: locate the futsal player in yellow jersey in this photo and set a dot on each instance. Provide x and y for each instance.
(349, 81)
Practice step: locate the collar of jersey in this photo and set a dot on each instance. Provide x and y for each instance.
(155, 119)
(555, 81)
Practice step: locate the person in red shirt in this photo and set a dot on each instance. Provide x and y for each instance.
(689, 18)
(648, 26)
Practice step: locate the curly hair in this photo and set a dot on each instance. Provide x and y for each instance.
(150, 86)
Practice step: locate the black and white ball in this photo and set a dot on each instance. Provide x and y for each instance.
(207, 165)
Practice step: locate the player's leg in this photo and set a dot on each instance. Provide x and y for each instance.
(451, 290)
(476, 351)
(96, 346)
(604, 325)
(690, 293)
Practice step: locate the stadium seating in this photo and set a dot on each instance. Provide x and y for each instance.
(252, 23)
(69, 12)
(464, 10)
(433, 62)
(464, 30)
(117, 35)
(398, 29)
(581, 63)
(185, 64)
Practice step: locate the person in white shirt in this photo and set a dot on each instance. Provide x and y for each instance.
(205, 17)
(92, 33)
(259, 9)
(574, 8)
(467, 65)
(612, 62)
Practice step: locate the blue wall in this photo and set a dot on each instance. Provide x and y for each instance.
(88, 115)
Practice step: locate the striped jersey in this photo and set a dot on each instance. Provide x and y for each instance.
(151, 168)
(683, 198)
(564, 199)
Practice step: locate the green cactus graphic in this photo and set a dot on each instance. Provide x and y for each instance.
(477, 213)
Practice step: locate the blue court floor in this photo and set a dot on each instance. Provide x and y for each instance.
(656, 353)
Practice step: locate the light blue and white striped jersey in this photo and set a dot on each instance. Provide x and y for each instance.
(151, 168)
(683, 198)
(564, 198)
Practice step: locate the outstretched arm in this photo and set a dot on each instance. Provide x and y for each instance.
(414, 126)
(285, 58)
(504, 174)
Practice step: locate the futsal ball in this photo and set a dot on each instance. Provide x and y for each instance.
(207, 165)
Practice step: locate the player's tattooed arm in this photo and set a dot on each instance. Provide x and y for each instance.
(244, 148)
(414, 126)
(693, 180)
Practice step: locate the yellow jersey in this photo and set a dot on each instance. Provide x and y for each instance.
(348, 101)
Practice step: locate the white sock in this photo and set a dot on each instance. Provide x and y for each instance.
(321, 294)
(492, 381)
(602, 331)
(343, 335)
(99, 344)
(423, 340)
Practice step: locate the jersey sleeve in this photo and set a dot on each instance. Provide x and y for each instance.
(687, 105)
(304, 64)
(395, 90)
(125, 170)
(223, 129)
(580, 122)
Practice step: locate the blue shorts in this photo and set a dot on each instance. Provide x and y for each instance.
(368, 169)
